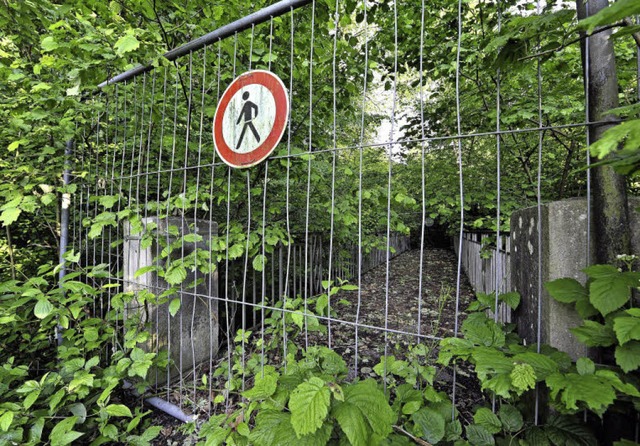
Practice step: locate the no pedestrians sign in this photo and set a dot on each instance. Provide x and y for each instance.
(250, 118)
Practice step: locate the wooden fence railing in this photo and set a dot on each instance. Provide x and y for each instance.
(486, 262)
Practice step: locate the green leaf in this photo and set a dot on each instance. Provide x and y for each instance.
(31, 398)
(607, 294)
(624, 442)
(259, 262)
(145, 270)
(298, 318)
(616, 11)
(585, 366)
(411, 407)
(566, 290)
(309, 405)
(49, 44)
(174, 306)
(80, 411)
(55, 399)
(267, 421)
(176, 274)
(150, 433)
(321, 304)
(336, 391)
(62, 433)
(125, 44)
(431, 423)
(13, 146)
(594, 334)
(479, 436)
(10, 215)
(626, 329)
(73, 91)
(119, 410)
(523, 377)
(43, 308)
(585, 309)
(243, 429)
(589, 389)
(511, 418)
(487, 419)
(353, 423)
(628, 356)
(236, 251)
(285, 435)
(563, 429)
(80, 379)
(512, 299)
(35, 432)
(601, 271)
(373, 404)
(541, 363)
(6, 419)
(263, 388)
(140, 362)
(482, 331)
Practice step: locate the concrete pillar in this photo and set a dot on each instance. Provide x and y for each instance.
(190, 336)
(563, 253)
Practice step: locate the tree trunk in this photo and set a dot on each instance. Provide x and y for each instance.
(610, 214)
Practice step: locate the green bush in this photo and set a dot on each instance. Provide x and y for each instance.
(71, 392)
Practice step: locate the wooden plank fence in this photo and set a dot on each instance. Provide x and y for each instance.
(486, 261)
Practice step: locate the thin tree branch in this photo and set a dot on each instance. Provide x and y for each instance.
(165, 37)
(636, 36)
(417, 440)
(578, 39)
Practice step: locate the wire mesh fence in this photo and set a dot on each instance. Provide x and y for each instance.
(299, 250)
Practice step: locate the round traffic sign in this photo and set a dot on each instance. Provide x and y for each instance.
(250, 118)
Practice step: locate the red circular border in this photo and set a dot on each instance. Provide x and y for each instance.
(277, 89)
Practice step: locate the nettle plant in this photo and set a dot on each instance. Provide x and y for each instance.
(60, 394)
(610, 321)
(606, 305)
(308, 403)
(507, 369)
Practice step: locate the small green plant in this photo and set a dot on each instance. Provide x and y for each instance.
(609, 321)
(309, 404)
(70, 392)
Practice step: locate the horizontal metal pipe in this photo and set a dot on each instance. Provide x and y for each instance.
(169, 409)
(246, 22)
(160, 404)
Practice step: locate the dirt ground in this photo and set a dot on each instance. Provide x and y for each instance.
(388, 322)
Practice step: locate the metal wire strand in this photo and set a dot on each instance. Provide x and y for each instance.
(461, 189)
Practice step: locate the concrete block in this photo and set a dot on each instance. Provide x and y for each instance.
(190, 337)
(560, 251)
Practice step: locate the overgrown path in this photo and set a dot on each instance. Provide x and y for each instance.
(395, 313)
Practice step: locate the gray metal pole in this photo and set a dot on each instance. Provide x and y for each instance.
(66, 203)
(246, 22)
(64, 220)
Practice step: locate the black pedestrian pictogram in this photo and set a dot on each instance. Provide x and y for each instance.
(246, 114)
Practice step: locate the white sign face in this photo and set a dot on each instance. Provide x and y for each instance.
(249, 118)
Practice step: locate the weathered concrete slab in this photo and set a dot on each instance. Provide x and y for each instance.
(562, 253)
(190, 337)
